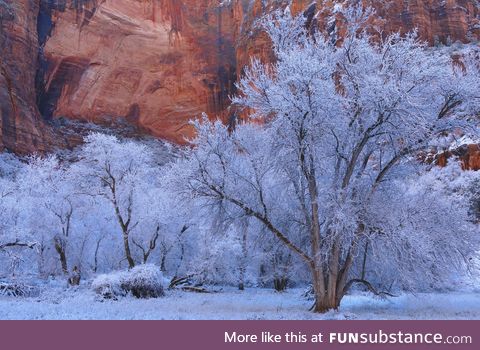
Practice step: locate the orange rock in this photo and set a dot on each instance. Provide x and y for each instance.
(159, 63)
(468, 155)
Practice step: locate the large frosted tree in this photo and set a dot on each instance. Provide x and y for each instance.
(330, 163)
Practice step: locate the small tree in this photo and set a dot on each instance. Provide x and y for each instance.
(49, 203)
(124, 173)
(342, 125)
(110, 165)
(15, 242)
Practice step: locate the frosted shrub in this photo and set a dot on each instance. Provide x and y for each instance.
(109, 286)
(143, 281)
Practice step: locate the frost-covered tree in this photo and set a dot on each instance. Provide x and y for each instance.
(125, 174)
(15, 243)
(92, 209)
(112, 169)
(54, 211)
(48, 204)
(176, 243)
(437, 202)
(331, 161)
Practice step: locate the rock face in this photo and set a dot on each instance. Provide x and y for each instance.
(437, 21)
(21, 127)
(469, 156)
(156, 64)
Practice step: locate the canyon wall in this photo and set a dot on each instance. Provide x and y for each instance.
(21, 127)
(155, 64)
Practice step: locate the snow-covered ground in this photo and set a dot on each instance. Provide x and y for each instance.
(232, 304)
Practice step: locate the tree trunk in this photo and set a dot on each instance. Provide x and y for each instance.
(326, 299)
(163, 266)
(75, 277)
(128, 254)
(97, 248)
(60, 248)
(243, 261)
(325, 304)
(333, 276)
(280, 283)
(63, 260)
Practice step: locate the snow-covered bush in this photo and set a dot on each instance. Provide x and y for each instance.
(108, 286)
(143, 281)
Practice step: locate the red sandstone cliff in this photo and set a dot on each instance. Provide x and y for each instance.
(21, 127)
(157, 63)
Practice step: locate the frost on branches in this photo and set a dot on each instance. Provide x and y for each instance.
(99, 208)
(331, 168)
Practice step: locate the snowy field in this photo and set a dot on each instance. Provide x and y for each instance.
(253, 304)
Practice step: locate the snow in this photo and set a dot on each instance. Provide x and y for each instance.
(231, 304)
(464, 140)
